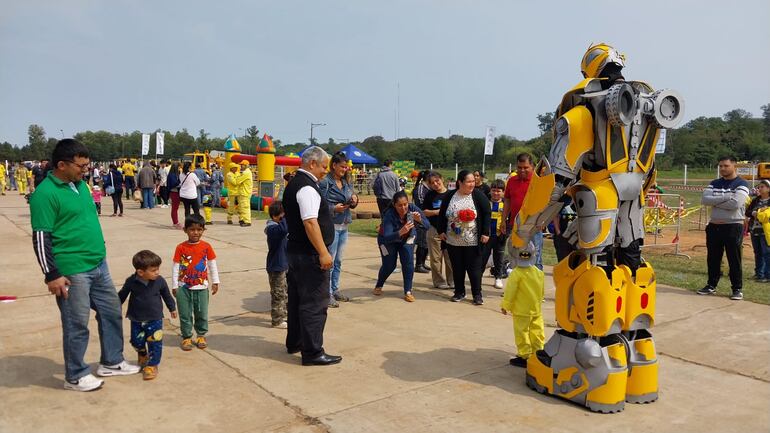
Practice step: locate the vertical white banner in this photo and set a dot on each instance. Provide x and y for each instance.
(489, 141)
(660, 146)
(159, 137)
(145, 144)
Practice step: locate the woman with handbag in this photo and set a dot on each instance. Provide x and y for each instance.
(172, 184)
(464, 221)
(113, 187)
(188, 190)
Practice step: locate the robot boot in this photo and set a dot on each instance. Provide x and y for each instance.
(589, 371)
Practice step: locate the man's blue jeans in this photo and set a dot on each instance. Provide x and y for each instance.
(337, 251)
(761, 256)
(148, 198)
(92, 289)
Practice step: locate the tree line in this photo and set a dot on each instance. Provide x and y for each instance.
(698, 143)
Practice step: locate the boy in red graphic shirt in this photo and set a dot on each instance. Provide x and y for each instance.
(194, 263)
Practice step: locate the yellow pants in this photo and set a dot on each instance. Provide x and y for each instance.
(21, 186)
(230, 207)
(2, 185)
(244, 208)
(207, 213)
(528, 334)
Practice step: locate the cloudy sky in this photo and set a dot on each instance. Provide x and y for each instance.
(458, 66)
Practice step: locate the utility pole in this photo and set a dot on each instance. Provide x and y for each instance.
(313, 125)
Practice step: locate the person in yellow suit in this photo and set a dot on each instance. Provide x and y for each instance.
(245, 183)
(522, 298)
(2, 178)
(21, 175)
(128, 177)
(232, 190)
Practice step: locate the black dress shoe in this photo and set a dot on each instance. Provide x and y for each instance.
(421, 270)
(323, 359)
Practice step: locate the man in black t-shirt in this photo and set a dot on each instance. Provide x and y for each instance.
(436, 247)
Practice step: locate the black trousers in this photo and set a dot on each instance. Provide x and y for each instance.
(117, 202)
(163, 194)
(496, 248)
(382, 204)
(191, 204)
(721, 239)
(308, 290)
(466, 260)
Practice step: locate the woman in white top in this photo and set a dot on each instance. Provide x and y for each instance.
(188, 190)
(465, 237)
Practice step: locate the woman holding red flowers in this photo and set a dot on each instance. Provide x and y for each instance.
(464, 221)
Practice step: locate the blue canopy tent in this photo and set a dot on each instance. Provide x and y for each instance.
(358, 156)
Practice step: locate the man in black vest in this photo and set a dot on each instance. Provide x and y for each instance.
(311, 231)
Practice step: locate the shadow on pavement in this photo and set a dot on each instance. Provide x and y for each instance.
(249, 345)
(24, 371)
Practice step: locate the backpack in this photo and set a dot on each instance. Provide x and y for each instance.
(377, 185)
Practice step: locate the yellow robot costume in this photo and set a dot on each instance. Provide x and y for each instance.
(21, 176)
(232, 190)
(605, 134)
(245, 188)
(523, 299)
(2, 178)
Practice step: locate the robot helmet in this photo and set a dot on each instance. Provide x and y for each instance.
(597, 57)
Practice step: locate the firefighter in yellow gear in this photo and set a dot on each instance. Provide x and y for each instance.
(245, 183)
(2, 178)
(21, 175)
(232, 192)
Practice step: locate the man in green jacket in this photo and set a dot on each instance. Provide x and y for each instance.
(69, 246)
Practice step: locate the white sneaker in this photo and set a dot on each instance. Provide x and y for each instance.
(498, 283)
(84, 384)
(282, 325)
(122, 369)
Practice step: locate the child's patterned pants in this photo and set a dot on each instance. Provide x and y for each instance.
(147, 337)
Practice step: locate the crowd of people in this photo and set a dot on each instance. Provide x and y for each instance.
(455, 231)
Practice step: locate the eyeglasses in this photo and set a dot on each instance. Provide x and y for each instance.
(80, 166)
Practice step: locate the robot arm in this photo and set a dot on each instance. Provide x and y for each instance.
(554, 175)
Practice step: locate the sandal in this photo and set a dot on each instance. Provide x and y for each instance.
(377, 291)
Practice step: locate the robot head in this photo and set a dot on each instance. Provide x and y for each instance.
(525, 257)
(597, 57)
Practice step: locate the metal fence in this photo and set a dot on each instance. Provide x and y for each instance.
(663, 218)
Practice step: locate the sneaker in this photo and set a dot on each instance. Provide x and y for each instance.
(122, 369)
(150, 372)
(737, 295)
(706, 290)
(84, 384)
(498, 283)
(421, 270)
(377, 291)
(333, 302)
(444, 286)
(201, 342)
(397, 270)
(478, 301)
(337, 295)
(409, 297)
(141, 359)
(282, 325)
(187, 344)
(518, 362)
(230, 222)
(457, 298)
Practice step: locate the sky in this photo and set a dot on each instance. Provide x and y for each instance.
(396, 68)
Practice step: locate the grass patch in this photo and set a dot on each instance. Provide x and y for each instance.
(365, 227)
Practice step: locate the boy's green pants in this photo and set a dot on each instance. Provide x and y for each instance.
(193, 308)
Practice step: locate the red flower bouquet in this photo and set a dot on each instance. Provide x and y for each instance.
(466, 215)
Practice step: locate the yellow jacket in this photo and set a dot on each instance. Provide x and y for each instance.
(21, 174)
(2, 171)
(763, 217)
(128, 169)
(231, 181)
(245, 183)
(524, 292)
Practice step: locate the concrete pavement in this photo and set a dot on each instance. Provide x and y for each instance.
(429, 366)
